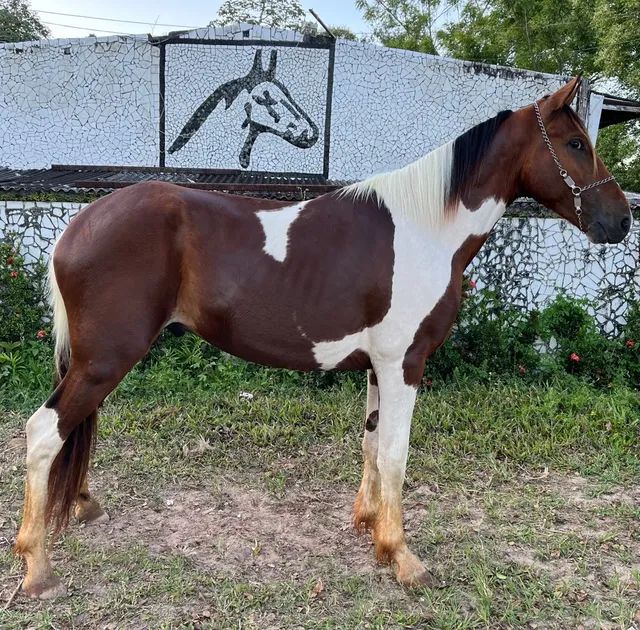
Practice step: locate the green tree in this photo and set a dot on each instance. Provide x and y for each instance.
(342, 32)
(554, 36)
(618, 40)
(275, 13)
(619, 148)
(18, 23)
(407, 24)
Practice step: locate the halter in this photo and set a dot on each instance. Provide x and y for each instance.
(568, 180)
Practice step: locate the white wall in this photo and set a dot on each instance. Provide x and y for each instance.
(392, 106)
(96, 101)
(81, 101)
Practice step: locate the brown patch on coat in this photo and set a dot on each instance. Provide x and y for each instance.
(372, 421)
(357, 360)
(271, 312)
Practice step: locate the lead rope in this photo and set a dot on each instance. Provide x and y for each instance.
(568, 180)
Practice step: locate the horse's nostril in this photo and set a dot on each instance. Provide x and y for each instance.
(626, 223)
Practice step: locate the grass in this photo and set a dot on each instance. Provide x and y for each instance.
(228, 512)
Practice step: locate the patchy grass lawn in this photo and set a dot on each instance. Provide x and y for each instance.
(235, 513)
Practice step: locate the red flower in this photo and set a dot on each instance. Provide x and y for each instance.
(41, 334)
(427, 382)
(522, 369)
(473, 284)
(14, 274)
(630, 343)
(574, 357)
(10, 261)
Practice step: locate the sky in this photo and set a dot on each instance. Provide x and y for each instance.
(187, 13)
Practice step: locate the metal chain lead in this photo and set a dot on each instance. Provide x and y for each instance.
(568, 180)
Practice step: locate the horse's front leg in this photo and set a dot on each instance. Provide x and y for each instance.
(397, 400)
(367, 502)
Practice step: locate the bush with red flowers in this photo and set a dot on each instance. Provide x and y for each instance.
(23, 307)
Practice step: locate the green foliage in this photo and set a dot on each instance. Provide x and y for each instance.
(407, 24)
(617, 53)
(343, 32)
(618, 146)
(545, 35)
(18, 23)
(274, 13)
(23, 307)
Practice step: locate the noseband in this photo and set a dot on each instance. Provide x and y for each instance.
(568, 180)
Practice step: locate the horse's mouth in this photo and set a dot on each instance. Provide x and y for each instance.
(598, 234)
(305, 139)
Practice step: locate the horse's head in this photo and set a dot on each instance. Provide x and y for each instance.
(271, 109)
(562, 170)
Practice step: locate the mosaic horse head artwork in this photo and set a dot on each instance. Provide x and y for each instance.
(365, 278)
(269, 108)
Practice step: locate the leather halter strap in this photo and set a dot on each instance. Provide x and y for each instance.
(568, 180)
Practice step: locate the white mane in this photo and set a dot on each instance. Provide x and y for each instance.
(418, 191)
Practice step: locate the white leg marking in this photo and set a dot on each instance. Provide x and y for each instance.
(370, 440)
(397, 400)
(276, 225)
(43, 445)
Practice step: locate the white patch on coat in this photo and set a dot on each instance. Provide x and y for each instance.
(397, 400)
(421, 275)
(276, 225)
(43, 444)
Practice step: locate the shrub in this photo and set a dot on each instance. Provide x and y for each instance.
(23, 305)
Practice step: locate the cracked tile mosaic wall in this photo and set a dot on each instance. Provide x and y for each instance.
(236, 104)
(527, 260)
(391, 106)
(255, 102)
(255, 108)
(82, 101)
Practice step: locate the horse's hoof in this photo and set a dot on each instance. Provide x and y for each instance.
(416, 579)
(410, 572)
(91, 514)
(50, 588)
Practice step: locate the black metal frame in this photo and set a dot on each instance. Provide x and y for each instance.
(325, 44)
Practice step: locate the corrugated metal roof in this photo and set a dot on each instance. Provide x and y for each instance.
(103, 179)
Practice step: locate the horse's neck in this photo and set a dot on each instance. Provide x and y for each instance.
(460, 225)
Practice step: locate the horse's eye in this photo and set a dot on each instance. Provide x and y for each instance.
(576, 144)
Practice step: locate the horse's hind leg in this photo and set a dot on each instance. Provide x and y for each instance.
(367, 501)
(59, 439)
(88, 510)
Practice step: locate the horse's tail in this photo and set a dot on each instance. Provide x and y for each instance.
(62, 351)
(70, 466)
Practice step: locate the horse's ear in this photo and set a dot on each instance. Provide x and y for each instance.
(271, 71)
(564, 96)
(256, 68)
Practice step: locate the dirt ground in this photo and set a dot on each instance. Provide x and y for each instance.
(543, 543)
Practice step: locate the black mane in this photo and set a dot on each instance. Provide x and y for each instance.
(469, 149)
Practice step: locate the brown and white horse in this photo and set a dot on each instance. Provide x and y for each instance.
(367, 278)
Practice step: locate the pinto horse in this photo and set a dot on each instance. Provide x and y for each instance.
(365, 278)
